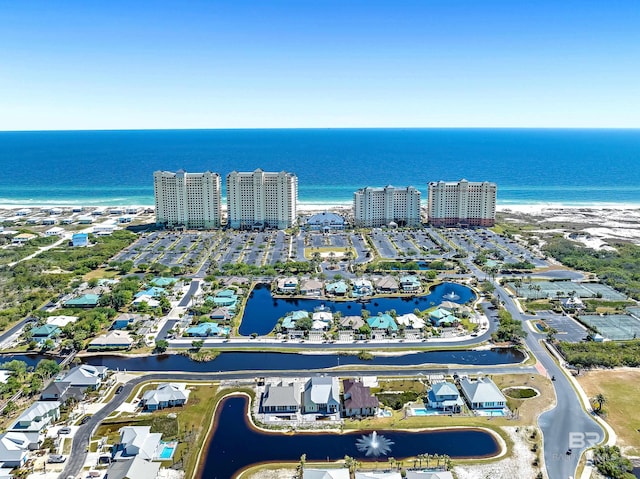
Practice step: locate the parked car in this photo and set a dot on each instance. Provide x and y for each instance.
(56, 459)
(64, 430)
(85, 420)
(119, 390)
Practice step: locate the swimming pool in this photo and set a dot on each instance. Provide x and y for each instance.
(167, 452)
(421, 411)
(491, 412)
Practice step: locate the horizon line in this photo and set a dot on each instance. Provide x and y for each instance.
(580, 128)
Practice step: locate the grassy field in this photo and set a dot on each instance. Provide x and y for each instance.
(326, 250)
(621, 388)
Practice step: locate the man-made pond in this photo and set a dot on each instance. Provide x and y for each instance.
(273, 361)
(32, 360)
(235, 445)
(262, 311)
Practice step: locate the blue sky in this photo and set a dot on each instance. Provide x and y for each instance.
(312, 63)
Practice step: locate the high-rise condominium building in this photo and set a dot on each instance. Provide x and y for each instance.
(262, 199)
(373, 207)
(462, 203)
(187, 199)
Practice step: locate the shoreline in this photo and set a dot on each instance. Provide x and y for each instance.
(519, 208)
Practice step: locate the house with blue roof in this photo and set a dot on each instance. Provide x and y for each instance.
(205, 330)
(226, 298)
(383, 321)
(289, 321)
(79, 239)
(442, 317)
(153, 291)
(337, 288)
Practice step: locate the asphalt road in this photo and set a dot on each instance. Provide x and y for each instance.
(567, 425)
(195, 284)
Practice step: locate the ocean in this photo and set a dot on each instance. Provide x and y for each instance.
(530, 166)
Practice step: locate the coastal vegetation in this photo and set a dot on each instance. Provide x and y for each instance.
(609, 354)
(509, 330)
(619, 268)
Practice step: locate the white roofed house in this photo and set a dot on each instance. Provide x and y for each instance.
(321, 395)
(166, 395)
(482, 394)
(86, 376)
(311, 287)
(137, 441)
(37, 417)
(287, 285)
(14, 447)
(325, 473)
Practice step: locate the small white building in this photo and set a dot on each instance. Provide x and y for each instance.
(55, 231)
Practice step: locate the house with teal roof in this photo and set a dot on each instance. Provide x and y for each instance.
(204, 330)
(47, 331)
(442, 317)
(337, 288)
(383, 321)
(162, 282)
(84, 301)
(226, 298)
(289, 322)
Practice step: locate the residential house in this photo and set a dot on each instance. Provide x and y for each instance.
(383, 321)
(321, 395)
(162, 282)
(56, 231)
(14, 447)
(325, 473)
(112, 340)
(40, 334)
(378, 475)
(281, 398)
(482, 393)
(84, 301)
(123, 320)
(135, 467)
(61, 321)
(287, 285)
(22, 238)
(358, 400)
(86, 376)
(37, 416)
(445, 396)
(221, 314)
(337, 288)
(137, 441)
(311, 287)
(150, 301)
(154, 291)
(205, 330)
(165, 395)
(289, 321)
(410, 320)
(362, 287)
(79, 240)
(410, 283)
(387, 284)
(442, 317)
(351, 322)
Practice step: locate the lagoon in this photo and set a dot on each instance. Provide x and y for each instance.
(262, 311)
(235, 444)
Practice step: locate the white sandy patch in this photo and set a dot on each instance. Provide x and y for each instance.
(518, 464)
(591, 242)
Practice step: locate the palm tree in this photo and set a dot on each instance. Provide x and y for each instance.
(601, 400)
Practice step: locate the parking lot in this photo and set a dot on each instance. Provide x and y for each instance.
(569, 329)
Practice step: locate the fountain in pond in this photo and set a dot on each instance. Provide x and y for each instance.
(374, 445)
(451, 296)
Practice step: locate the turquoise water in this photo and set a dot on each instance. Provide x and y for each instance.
(167, 452)
(426, 412)
(529, 165)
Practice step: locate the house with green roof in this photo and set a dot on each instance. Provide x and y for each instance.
(84, 301)
(47, 331)
(204, 330)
